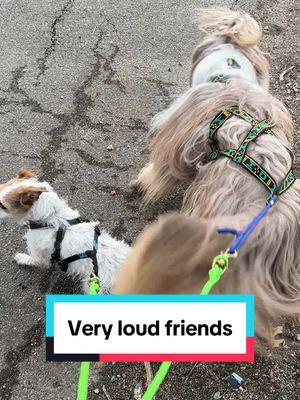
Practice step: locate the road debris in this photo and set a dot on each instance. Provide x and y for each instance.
(282, 75)
(234, 381)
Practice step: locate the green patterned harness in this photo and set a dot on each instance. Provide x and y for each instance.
(240, 156)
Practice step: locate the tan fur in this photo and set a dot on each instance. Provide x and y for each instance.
(24, 173)
(21, 176)
(223, 192)
(18, 201)
(171, 256)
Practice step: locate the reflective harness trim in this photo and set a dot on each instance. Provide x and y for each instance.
(240, 155)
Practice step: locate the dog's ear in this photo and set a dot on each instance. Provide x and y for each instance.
(30, 195)
(24, 173)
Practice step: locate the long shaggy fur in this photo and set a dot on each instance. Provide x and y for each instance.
(223, 192)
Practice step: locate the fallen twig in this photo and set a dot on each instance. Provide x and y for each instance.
(282, 75)
(106, 393)
(190, 371)
(149, 373)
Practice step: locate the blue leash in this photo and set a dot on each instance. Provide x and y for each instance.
(242, 236)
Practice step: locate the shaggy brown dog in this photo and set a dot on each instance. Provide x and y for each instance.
(220, 190)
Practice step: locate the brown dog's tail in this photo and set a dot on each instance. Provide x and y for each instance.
(240, 28)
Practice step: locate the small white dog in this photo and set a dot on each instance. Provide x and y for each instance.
(57, 234)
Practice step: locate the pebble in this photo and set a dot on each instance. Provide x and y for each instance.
(97, 391)
(217, 396)
(110, 147)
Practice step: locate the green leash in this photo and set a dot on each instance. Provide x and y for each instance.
(219, 266)
(83, 381)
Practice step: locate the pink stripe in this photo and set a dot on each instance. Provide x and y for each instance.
(247, 357)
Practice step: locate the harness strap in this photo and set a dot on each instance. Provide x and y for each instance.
(240, 155)
(55, 256)
(92, 254)
(254, 168)
(41, 225)
(252, 135)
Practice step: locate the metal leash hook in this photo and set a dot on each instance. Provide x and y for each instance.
(219, 266)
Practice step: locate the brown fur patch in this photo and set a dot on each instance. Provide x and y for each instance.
(24, 173)
(18, 201)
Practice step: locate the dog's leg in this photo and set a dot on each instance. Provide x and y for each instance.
(155, 182)
(25, 259)
(145, 178)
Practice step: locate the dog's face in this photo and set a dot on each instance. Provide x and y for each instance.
(18, 195)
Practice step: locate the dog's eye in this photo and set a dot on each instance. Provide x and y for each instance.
(232, 63)
(2, 206)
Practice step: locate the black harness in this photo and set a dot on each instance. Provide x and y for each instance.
(56, 255)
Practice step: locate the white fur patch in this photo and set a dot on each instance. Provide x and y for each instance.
(216, 64)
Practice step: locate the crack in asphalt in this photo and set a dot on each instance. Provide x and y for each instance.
(14, 87)
(82, 101)
(53, 39)
(163, 87)
(136, 124)
(89, 159)
(12, 153)
(9, 375)
(111, 72)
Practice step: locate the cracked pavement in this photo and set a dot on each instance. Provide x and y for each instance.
(77, 77)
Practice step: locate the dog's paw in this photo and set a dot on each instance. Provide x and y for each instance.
(24, 259)
(136, 185)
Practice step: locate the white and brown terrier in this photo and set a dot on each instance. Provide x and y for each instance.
(34, 203)
(230, 71)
